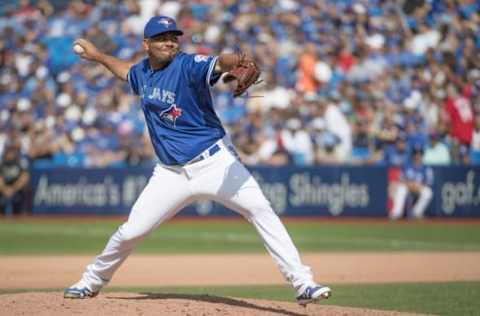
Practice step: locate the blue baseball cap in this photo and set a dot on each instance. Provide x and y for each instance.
(160, 24)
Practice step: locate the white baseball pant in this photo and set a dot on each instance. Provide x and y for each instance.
(221, 177)
(400, 198)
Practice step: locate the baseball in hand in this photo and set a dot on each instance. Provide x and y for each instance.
(78, 49)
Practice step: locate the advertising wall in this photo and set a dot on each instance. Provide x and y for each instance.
(456, 192)
(292, 191)
(319, 191)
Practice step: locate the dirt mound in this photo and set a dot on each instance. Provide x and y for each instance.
(145, 304)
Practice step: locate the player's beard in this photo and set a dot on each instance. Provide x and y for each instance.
(165, 56)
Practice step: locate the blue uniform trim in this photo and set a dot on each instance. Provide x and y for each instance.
(128, 80)
(210, 70)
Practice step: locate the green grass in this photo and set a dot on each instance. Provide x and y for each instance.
(450, 298)
(73, 236)
(81, 237)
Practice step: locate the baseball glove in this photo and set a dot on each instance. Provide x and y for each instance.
(246, 72)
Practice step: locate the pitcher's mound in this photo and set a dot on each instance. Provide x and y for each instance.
(146, 304)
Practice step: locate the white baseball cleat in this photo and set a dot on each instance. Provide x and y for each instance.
(79, 290)
(314, 293)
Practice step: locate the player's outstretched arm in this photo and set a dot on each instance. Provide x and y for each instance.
(90, 52)
(226, 62)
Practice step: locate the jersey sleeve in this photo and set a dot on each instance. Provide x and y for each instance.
(201, 70)
(134, 78)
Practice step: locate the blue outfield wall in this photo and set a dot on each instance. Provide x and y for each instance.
(293, 191)
(456, 192)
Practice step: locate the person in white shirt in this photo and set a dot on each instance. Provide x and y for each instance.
(475, 145)
(437, 152)
(298, 142)
(337, 123)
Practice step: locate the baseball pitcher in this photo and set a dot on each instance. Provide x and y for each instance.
(196, 158)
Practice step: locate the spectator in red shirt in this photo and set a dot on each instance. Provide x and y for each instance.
(460, 115)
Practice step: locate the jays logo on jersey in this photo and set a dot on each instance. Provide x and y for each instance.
(171, 114)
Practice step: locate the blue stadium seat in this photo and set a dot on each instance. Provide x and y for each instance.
(475, 157)
(360, 153)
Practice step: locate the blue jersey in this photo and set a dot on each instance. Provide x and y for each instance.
(394, 157)
(178, 106)
(420, 174)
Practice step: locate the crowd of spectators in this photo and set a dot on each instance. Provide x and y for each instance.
(345, 82)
